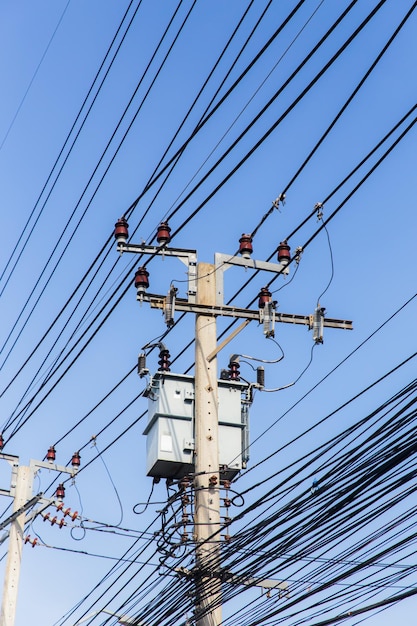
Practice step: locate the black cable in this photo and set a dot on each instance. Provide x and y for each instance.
(68, 139)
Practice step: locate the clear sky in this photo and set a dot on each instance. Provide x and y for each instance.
(97, 99)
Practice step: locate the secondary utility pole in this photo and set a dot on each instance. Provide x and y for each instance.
(21, 485)
(206, 300)
(22, 489)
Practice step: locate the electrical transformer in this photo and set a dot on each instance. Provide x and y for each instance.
(171, 426)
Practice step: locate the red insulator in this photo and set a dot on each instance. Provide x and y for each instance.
(264, 297)
(163, 234)
(164, 361)
(1, 442)
(212, 481)
(76, 460)
(60, 492)
(141, 279)
(50, 455)
(234, 370)
(284, 254)
(245, 247)
(120, 231)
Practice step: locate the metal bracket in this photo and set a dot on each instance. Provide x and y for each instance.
(188, 257)
(157, 302)
(222, 263)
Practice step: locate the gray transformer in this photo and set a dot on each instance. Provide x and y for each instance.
(170, 429)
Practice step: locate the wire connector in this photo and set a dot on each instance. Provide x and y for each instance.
(318, 207)
(316, 323)
(169, 306)
(278, 200)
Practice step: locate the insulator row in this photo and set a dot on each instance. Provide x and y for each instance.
(75, 461)
(66, 512)
(246, 249)
(33, 542)
(53, 520)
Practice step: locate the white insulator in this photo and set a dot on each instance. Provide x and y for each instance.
(269, 319)
(169, 309)
(318, 324)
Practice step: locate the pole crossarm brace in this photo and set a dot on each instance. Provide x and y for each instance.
(158, 302)
(223, 262)
(264, 583)
(188, 257)
(29, 504)
(248, 581)
(35, 465)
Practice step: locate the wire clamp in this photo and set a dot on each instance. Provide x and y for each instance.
(318, 207)
(280, 199)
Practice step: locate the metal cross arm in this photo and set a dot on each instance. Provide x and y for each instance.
(223, 262)
(186, 256)
(158, 302)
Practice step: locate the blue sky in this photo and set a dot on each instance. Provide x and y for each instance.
(59, 210)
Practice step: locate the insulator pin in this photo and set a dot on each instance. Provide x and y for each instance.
(264, 297)
(60, 492)
(141, 280)
(284, 253)
(245, 247)
(76, 460)
(51, 455)
(121, 232)
(163, 234)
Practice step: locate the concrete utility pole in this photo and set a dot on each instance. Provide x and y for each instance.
(21, 485)
(206, 300)
(22, 492)
(207, 479)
